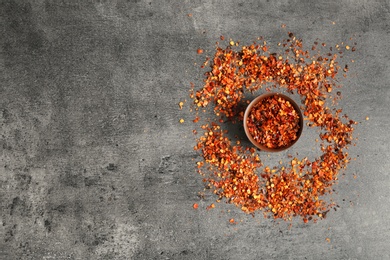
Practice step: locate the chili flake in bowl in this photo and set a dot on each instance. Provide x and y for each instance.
(273, 122)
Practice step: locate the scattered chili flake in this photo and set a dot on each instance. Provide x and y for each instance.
(233, 171)
(232, 221)
(181, 121)
(181, 105)
(199, 51)
(195, 206)
(211, 206)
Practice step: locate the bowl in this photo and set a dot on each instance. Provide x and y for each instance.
(263, 146)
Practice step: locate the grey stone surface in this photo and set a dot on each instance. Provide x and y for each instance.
(93, 161)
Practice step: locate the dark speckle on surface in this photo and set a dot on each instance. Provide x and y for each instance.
(94, 163)
(112, 167)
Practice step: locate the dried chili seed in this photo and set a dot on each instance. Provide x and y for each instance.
(211, 206)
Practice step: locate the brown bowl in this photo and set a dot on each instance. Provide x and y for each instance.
(249, 108)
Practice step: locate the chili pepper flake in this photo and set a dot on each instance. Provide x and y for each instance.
(195, 206)
(211, 206)
(273, 122)
(199, 51)
(235, 172)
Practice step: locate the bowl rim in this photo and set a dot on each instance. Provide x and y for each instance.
(258, 99)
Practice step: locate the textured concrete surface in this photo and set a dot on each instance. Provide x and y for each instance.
(93, 161)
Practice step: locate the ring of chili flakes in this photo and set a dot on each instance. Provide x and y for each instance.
(230, 169)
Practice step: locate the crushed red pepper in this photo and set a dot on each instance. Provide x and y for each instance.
(233, 171)
(273, 122)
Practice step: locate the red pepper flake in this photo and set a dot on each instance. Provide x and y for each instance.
(195, 206)
(211, 206)
(234, 171)
(273, 122)
(232, 221)
(199, 51)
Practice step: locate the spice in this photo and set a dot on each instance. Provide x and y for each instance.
(235, 172)
(211, 206)
(195, 206)
(181, 121)
(199, 51)
(273, 122)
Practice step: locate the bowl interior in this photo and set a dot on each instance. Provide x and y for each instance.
(249, 108)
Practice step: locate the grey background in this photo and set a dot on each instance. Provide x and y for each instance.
(95, 165)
